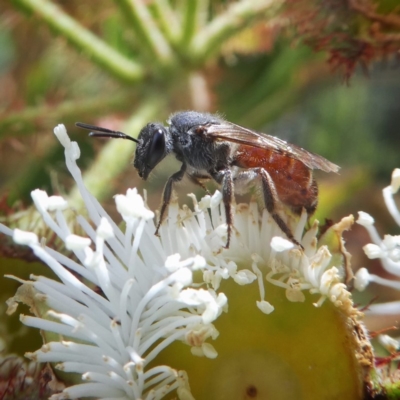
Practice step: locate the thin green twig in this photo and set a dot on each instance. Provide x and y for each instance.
(29, 119)
(83, 39)
(167, 19)
(235, 18)
(190, 19)
(111, 161)
(114, 156)
(144, 25)
(194, 18)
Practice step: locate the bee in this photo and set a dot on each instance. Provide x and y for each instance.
(235, 157)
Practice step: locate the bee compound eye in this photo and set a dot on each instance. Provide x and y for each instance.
(156, 149)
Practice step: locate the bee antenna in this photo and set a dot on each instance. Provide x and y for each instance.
(98, 131)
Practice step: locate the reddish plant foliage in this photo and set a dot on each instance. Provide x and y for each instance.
(26, 380)
(353, 32)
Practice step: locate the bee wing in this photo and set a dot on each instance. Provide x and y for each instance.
(237, 134)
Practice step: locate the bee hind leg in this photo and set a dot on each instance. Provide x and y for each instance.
(224, 178)
(270, 197)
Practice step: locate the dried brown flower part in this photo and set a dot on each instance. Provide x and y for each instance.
(26, 380)
(353, 32)
(29, 219)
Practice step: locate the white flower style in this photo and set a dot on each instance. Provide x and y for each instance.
(125, 296)
(386, 249)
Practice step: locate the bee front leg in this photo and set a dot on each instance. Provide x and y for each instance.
(167, 194)
(224, 177)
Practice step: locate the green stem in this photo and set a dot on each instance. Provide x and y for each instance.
(167, 19)
(144, 25)
(235, 18)
(83, 39)
(190, 19)
(114, 157)
(203, 13)
(111, 161)
(30, 119)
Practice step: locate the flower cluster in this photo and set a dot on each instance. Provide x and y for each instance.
(135, 302)
(259, 242)
(388, 251)
(125, 295)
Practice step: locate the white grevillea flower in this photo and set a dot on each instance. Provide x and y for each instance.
(139, 297)
(388, 251)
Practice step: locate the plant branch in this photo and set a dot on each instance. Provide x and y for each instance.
(167, 19)
(27, 120)
(83, 39)
(144, 25)
(190, 18)
(368, 10)
(235, 18)
(114, 157)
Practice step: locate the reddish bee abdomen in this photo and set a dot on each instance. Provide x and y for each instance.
(293, 180)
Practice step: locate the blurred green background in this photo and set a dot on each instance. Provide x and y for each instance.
(145, 61)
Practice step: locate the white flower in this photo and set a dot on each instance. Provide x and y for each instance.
(142, 303)
(388, 251)
(388, 248)
(362, 279)
(140, 295)
(292, 269)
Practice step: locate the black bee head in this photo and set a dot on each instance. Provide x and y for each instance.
(152, 147)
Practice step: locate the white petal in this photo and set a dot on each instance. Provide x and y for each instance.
(395, 184)
(244, 277)
(211, 313)
(57, 203)
(132, 205)
(172, 262)
(265, 307)
(231, 268)
(372, 251)
(199, 262)
(365, 219)
(123, 205)
(26, 238)
(75, 151)
(195, 297)
(62, 135)
(221, 230)
(205, 202)
(75, 242)
(391, 242)
(105, 230)
(197, 351)
(216, 199)
(280, 244)
(208, 350)
(184, 276)
(222, 300)
(361, 279)
(41, 199)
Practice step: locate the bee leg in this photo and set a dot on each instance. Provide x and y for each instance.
(224, 177)
(270, 199)
(195, 178)
(176, 177)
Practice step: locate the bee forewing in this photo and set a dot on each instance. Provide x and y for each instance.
(237, 134)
